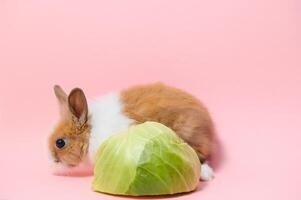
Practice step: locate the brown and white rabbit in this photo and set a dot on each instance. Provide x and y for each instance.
(83, 127)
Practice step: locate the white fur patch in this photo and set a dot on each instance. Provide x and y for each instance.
(107, 119)
(207, 173)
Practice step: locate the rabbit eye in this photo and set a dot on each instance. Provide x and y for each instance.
(60, 143)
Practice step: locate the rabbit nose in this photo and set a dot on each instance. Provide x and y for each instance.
(55, 158)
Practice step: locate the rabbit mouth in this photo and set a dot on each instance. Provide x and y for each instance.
(57, 161)
(84, 168)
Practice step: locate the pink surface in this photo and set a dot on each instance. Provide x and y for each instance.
(240, 57)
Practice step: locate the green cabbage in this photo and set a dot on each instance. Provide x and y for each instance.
(148, 159)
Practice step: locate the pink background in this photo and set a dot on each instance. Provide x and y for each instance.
(242, 58)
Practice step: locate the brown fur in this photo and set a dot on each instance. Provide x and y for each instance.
(175, 108)
(74, 127)
(180, 111)
(77, 139)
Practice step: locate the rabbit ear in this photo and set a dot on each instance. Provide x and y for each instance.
(62, 99)
(78, 106)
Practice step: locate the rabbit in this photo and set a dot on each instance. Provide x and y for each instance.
(83, 125)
